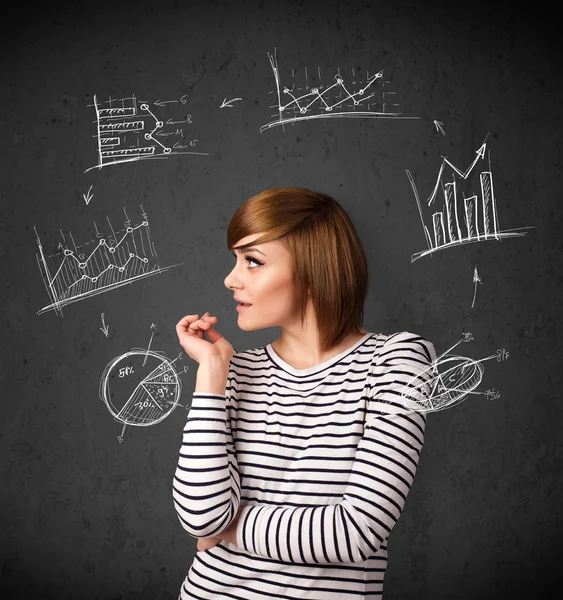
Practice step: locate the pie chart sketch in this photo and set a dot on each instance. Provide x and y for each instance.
(140, 388)
(457, 377)
(446, 382)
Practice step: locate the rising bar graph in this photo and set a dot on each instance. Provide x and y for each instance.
(461, 220)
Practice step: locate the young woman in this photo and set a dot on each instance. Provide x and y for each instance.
(297, 457)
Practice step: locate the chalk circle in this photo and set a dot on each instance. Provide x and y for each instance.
(144, 107)
(129, 230)
(167, 150)
(430, 391)
(140, 388)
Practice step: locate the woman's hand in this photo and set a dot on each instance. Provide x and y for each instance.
(191, 331)
(206, 543)
(229, 535)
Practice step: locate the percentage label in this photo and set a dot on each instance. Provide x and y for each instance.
(492, 394)
(502, 354)
(467, 336)
(124, 371)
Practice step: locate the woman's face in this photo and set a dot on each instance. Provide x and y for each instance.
(263, 278)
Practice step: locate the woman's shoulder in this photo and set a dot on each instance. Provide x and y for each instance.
(404, 342)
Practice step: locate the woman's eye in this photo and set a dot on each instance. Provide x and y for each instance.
(250, 259)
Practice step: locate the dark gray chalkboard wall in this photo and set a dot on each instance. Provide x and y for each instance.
(84, 516)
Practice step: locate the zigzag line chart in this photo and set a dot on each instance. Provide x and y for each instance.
(314, 95)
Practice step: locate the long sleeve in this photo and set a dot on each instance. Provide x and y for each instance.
(383, 471)
(206, 485)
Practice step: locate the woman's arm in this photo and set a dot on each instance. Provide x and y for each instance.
(206, 486)
(384, 468)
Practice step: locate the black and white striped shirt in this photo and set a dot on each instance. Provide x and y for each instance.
(321, 459)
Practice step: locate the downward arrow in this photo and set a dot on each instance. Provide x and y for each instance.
(104, 328)
(88, 197)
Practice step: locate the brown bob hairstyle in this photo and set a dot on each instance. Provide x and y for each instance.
(328, 255)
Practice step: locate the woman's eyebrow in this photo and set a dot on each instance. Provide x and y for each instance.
(248, 249)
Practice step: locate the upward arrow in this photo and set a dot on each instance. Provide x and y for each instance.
(463, 174)
(480, 153)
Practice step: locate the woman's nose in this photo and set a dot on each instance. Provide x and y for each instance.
(229, 280)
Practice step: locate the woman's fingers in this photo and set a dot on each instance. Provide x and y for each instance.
(192, 324)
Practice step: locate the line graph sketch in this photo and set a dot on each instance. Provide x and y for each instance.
(452, 379)
(129, 130)
(313, 94)
(140, 388)
(99, 265)
(462, 220)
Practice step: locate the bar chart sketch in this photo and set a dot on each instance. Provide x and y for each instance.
(106, 262)
(316, 94)
(449, 380)
(461, 220)
(129, 130)
(140, 388)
